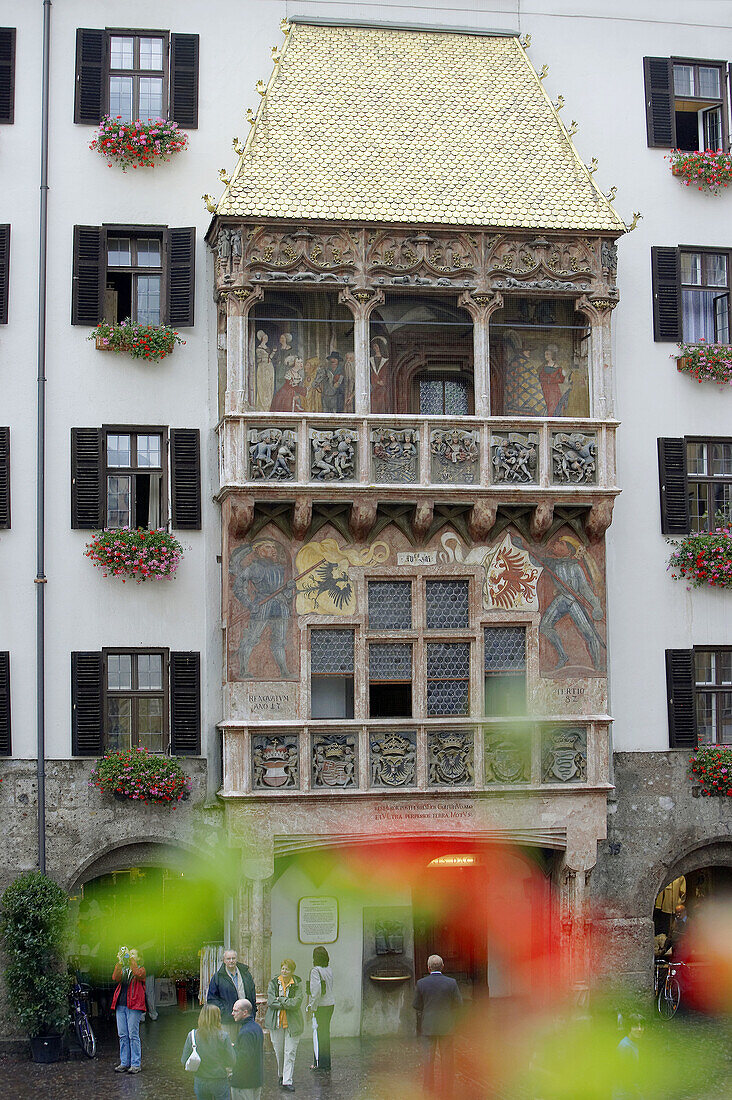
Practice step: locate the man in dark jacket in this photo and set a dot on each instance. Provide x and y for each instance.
(231, 982)
(437, 1000)
(248, 1076)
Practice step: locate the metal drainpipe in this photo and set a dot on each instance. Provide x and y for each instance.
(40, 579)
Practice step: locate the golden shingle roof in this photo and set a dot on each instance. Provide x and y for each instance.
(375, 124)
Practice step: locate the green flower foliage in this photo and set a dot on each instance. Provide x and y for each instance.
(711, 766)
(140, 341)
(33, 927)
(141, 776)
(703, 559)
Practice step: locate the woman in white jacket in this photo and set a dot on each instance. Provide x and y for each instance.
(321, 1003)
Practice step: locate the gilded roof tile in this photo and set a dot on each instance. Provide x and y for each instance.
(368, 124)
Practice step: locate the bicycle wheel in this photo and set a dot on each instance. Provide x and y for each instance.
(85, 1035)
(669, 999)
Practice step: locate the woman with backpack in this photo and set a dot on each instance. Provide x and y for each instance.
(321, 1004)
(215, 1056)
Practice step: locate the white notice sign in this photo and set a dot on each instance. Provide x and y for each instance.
(317, 920)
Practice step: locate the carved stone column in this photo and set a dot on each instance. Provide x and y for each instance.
(480, 305)
(239, 301)
(361, 302)
(599, 312)
(571, 886)
(254, 923)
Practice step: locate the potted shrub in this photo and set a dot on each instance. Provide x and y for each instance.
(704, 558)
(141, 776)
(711, 766)
(139, 341)
(33, 928)
(707, 169)
(138, 144)
(140, 554)
(705, 362)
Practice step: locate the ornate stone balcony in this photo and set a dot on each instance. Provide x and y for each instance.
(401, 755)
(271, 455)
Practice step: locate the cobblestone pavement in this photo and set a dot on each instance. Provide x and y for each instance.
(363, 1070)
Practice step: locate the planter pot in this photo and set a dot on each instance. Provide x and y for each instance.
(682, 364)
(46, 1048)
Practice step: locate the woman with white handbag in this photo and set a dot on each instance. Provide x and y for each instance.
(208, 1054)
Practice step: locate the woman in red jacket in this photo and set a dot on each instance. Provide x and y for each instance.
(128, 1004)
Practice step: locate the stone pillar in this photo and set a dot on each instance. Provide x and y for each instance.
(361, 302)
(571, 880)
(239, 301)
(599, 313)
(254, 923)
(480, 305)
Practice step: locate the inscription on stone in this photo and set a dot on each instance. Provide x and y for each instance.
(407, 812)
(417, 557)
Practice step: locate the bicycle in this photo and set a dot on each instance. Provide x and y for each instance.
(669, 993)
(79, 998)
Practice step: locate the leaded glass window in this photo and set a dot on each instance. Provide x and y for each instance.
(331, 667)
(444, 394)
(390, 680)
(505, 670)
(448, 604)
(390, 605)
(390, 661)
(448, 678)
(331, 651)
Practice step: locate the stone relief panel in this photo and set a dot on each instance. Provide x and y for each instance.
(333, 454)
(275, 762)
(515, 457)
(574, 458)
(395, 455)
(334, 760)
(507, 755)
(272, 454)
(450, 758)
(393, 759)
(455, 456)
(429, 258)
(564, 755)
(325, 250)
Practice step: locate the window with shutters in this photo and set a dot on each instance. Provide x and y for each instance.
(691, 292)
(135, 478)
(135, 700)
(696, 484)
(136, 74)
(134, 279)
(713, 695)
(686, 103)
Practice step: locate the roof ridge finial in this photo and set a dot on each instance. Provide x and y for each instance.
(250, 116)
(560, 103)
(636, 218)
(210, 203)
(592, 166)
(544, 72)
(276, 54)
(285, 26)
(525, 41)
(261, 87)
(573, 128)
(238, 147)
(611, 194)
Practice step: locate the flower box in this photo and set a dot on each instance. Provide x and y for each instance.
(711, 767)
(707, 169)
(152, 342)
(138, 144)
(140, 554)
(705, 362)
(703, 559)
(137, 775)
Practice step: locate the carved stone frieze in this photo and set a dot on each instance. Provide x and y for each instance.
(574, 458)
(515, 457)
(507, 756)
(274, 761)
(450, 758)
(395, 455)
(564, 754)
(393, 759)
(333, 454)
(435, 258)
(272, 454)
(334, 760)
(455, 456)
(313, 250)
(555, 258)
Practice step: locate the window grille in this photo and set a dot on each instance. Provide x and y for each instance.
(390, 605)
(448, 604)
(390, 662)
(331, 652)
(505, 649)
(448, 672)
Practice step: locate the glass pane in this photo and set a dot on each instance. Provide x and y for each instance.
(150, 671)
(448, 669)
(698, 507)
(150, 724)
(704, 667)
(724, 667)
(122, 52)
(118, 501)
(120, 97)
(431, 397)
(698, 315)
(683, 80)
(119, 723)
(331, 651)
(721, 318)
(456, 398)
(390, 662)
(151, 97)
(118, 450)
(716, 269)
(691, 268)
(721, 504)
(119, 671)
(696, 458)
(724, 734)
(148, 299)
(119, 253)
(720, 459)
(505, 694)
(505, 648)
(390, 605)
(148, 252)
(151, 53)
(708, 82)
(705, 717)
(448, 605)
(331, 697)
(713, 129)
(447, 697)
(148, 450)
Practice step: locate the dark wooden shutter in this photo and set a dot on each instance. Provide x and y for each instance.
(184, 80)
(87, 704)
(91, 70)
(4, 478)
(87, 479)
(7, 74)
(89, 275)
(4, 272)
(666, 279)
(181, 276)
(658, 75)
(185, 704)
(681, 700)
(674, 491)
(6, 747)
(185, 478)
